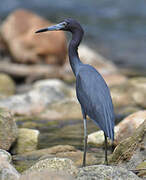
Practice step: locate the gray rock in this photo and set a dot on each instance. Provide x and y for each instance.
(102, 172)
(8, 129)
(54, 164)
(43, 93)
(7, 171)
(46, 175)
(5, 156)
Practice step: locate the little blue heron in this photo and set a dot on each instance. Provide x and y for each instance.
(92, 91)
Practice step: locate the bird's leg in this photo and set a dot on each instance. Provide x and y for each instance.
(85, 142)
(106, 160)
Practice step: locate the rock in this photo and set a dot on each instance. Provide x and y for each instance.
(45, 174)
(59, 151)
(97, 138)
(121, 95)
(5, 156)
(141, 169)
(7, 171)
(8, 129)
(101, 172)
(37, 99)
(18, 31)
(131, 151)
(63, 110)
(139, 90)
(27, 140)
(123, 130)
(128, 125)
(54, 164)
(7, 85)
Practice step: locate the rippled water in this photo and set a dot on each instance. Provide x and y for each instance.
(116, 29)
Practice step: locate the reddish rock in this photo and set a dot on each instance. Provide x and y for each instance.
(18, 31)
(126, 127)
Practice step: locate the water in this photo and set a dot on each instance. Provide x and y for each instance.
(116, 29)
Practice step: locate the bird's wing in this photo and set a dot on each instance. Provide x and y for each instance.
(94, 97)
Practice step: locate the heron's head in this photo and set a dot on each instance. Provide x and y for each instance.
(67, 25)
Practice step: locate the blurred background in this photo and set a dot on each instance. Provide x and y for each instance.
(116, 29)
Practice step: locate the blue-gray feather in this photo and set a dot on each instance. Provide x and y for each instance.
(94, 97)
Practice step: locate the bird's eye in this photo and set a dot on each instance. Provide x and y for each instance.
(64, 23)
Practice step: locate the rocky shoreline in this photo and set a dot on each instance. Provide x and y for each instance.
(37, 95)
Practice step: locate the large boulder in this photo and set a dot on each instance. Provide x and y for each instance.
(8, 129)
(18, 31)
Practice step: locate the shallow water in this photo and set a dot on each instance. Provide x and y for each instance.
(116, 29)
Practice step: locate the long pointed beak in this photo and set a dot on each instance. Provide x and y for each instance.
(56, 27)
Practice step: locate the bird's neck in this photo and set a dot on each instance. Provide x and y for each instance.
(73, 51)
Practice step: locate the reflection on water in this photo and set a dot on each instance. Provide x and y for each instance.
(117, 29)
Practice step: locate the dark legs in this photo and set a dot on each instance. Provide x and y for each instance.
(85, 142)
(106, 160)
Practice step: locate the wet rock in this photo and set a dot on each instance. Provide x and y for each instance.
(131, 151)
(54, 164)
(18, 31)
(8, 129)
(123, 130)
(45, 174)
(7, 171)
(37, 99)
(101, 172)
(139, 90)
(7, 85)
(27, 140)
(60, 151)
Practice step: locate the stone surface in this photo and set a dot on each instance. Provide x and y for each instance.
(131, 151)
(139, 90)
(128, 125)
(5, 156)
(123, 130)
(18, 31)
(27, 140)
(46, 175)
(101, 172)
(36, 100)
(54, 164)
(66, 109)
(7, 85)
(8, 129)
(7, 171)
